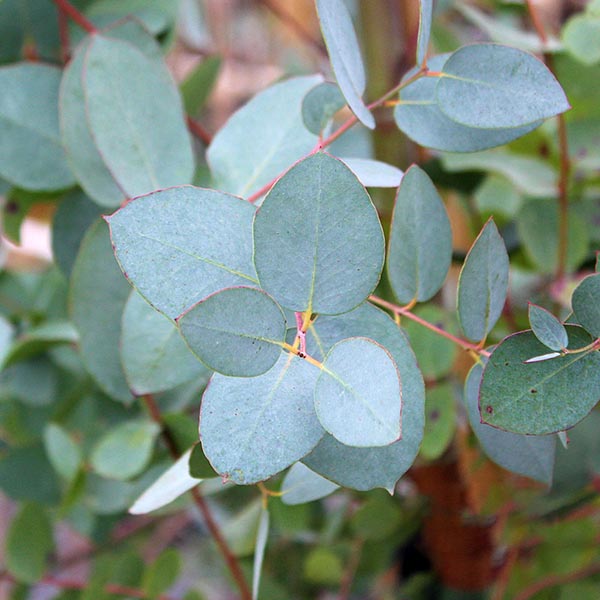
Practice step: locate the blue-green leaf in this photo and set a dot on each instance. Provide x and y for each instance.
(344, 52)
(532, 456)
(581, 37)
(253, 428)
(420, 240)
(301, 485)
(374, 173)
(259, 550)
(98, 295)
(179, 245)
(63, 452)
(586, 304)
(237, 331)
(425, 16)
(547, 328)
(495, 86)
(320, 104)
(540, 397)
(358, 395)
(31, 153)
(440, 423)
(368, 468)
(154, 355)
(262, 139)
(318, 243)
(420, 118)
(144, 144)
(483, 283)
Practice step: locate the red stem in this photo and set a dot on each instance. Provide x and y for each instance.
(77, 17)
(199, 131)
(63, 34)
(405, 312)
(212, 526)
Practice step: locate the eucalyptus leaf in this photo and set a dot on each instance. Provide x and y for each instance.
(374, 173)
(197, 86)
(154, 355)
(328, 238)
(31, 153)
(320, 104)
(368, 468)
(234, 342)
(302, 484)
(259, 551)
(253, 428)
(440, 423)
(179, 245)
(547, 328)
(495, 86)
(420, 239)
(162, 573)
(581, 37)
(63, 452)
(262, 139)
(98, 294)
(483, 283)
(358, 395)
(425, 16)
(344, 53)
(531, 456)
(541, 397)
(586, 304)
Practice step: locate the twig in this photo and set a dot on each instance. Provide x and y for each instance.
(230, 559)
(199, 131)
(63, 35)
(405, 312)
(77, 16)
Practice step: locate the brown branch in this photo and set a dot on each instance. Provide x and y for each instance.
(76, 16)
(554, 580)
(212, 526)
(199, 131)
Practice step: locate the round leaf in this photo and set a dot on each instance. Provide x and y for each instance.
(586, 304)
(490, 85)
(63, 452)
(253, 428)
(358, 395)
(319, 106)
(301, 485)
(237, 331)
(318, 243)
(540, 397)
(179, 245)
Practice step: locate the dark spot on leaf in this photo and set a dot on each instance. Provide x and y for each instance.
(434, 415)
(11, 207)
(533, 391)
(489, 410)
(506, 364)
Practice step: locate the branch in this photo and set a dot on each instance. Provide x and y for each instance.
(77, 17)
(212, 526)
(405, 312)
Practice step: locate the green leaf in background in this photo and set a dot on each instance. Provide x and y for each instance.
(145, 146)
(33, 381)
(253, 428)
(530, 175)
(586, 304)
(537, 226)
(322, 566)
(262, 536)
(497, 196)
(75, 214)
(420, 118)
(435, 354)
(318, 243)
(440, 421)
(154, 355)
(378, 518)
(531, 456)
(80, 147)
(581, 37)
(483, 283)
(7, 332)
(425, 16)
(162, 573)
(344, 53)
(241, 529)
(179, 245)
(547, 328)
(541, 397)
(320, 105)
(301, 485)
(374, 173)
(174, 482)
(420, 239)
(198, 463)
(63, 452)
(262, 139)
(28, 543)
(125, 450)
(98, 295)
(31, 153)
(198, 85)
(368, 468)
(490, 85)
(237, 331)
(358, 395)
